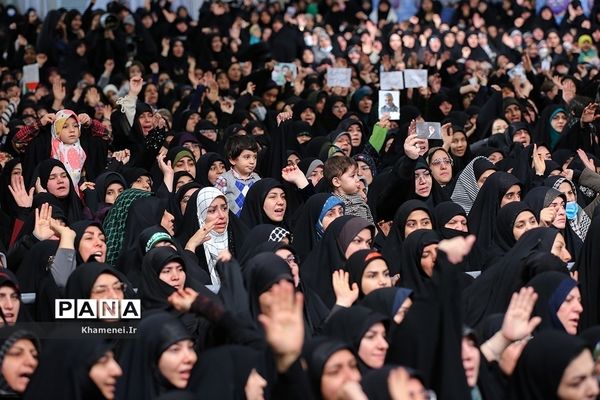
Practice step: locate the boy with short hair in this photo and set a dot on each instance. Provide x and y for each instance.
(342, 175)
(241, 152)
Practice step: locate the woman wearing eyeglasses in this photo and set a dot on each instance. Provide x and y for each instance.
(440, 163)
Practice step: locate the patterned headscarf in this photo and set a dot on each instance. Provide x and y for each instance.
(71, 155)
(218, 241)
(114, 224)
(581, 223)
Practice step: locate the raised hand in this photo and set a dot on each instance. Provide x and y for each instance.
(165, 167)
(293, 174)
(538, 162)
(135, 85)
(182, 299)
(200, 236)
(47, 119)
(62, 231)
(59, 91)
(588, 162)
(398, 384)
(345, 295)
(547, 216)
(284, 116)
(589, 113)
(22, 197)
(457, 248)
(446, 131)
(518, 323)
(283, 323)
(255, 386)
(84, 119)
(42, 230)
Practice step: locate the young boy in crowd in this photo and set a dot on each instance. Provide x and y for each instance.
(341, 172)
(241, 152)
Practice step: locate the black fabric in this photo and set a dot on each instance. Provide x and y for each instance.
(490, 293)
(316, 353)
(143, 213)
(589, 276)
(329, 256)
(392, 249)
(253, 213)
(483, 214)
(351, 324)
(79, 228)
(256, 236)
(304, 228)
(412, 275)
(8, 278)
(443, 213)
(71, 205)
(139, 358)
(81, 281)
(386, 301)
(555, 351)
(552, 288)
(263, 271)
(203, 166)
(356, 265)
(69, 378)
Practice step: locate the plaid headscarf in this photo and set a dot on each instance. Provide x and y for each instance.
(114, 224)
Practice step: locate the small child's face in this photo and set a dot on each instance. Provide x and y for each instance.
(349, 182)
(70, 132)
(245, 163)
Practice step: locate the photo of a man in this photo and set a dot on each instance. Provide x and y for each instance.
(389, 106)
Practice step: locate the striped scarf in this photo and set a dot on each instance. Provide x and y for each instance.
(466, 189)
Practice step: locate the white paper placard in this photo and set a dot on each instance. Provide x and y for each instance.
(281, 69)
(415, 78)
(391, 80)
(340, 77)
(31, 76)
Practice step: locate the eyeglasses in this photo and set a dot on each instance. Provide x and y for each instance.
(103, 289)
(424, 176)
(440, 161)
(365, 168)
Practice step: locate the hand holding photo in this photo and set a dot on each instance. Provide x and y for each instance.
(389, 104)
(281, 70)
(429, 130)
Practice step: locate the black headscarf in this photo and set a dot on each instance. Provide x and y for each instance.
(8, 278)
(258, 235)
(443, 213)
(351, 324)
(306, 235)
(142, 378)
(263, 271)
(7, 201)
(483, 214)
(9, 335)
(143, 213)
(203, 166)
(253, 212)
(356, 265)
(412, 275)
(329, 255)
(392, 249)
(69, 378)
(81, 281)
(554, 351)
(103, 181)
(71, 204)
(386, 301)
(490, 293)
(316, 353)
(79, 229)
(552, 288)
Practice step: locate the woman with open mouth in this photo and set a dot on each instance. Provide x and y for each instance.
(18, 360)
(265, 203)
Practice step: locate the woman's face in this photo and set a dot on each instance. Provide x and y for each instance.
(107, 286)
(173, 274)
(191, 122)
(458, 223)
(234, 72)
(104, 373)
(423, 182)
(92, 243)
(218, 212)
(216, 170)
(401, 313)
(216, 44)
(176, 362)
(566, 189)
(308, 116)
(483, 177)
(578, 381)
(458, 147)
(17, 170)
(151, 94)
(292, 261)
(178, 49)
(570, 310)
(10, 304)
(362, 241)
(168, 222)
(525, 221)
(441, 167)
(275, 204)
(339, 109)
(560, 216)
(376, 275)
(471, 358)
(395, 42)
(418, 219)
(559, 248)
(373, 346)
(428, 258)
(183, 180)
(142, 183)
(20, 361)
(112, 192)
(332, 215)
(185, 199)
(512, 194)
(58, 183)
(559, 121)
(355, 135)
(339, 369)
(186, 164)
(293, 159)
